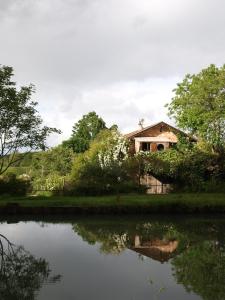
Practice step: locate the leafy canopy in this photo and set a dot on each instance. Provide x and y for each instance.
(85, 131)
(103, 167)
(20, 124)
(199, 105)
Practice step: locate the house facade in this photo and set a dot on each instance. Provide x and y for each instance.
(157, 137)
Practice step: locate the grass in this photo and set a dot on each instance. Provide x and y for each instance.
(185, 200)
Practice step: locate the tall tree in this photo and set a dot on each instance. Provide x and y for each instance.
(84, 131)
(20, 124)
(199, 105)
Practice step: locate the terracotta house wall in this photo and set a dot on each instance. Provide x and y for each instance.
(162, 131)
(155, 130)
(158, 131)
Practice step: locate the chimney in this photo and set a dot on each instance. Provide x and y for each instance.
(141, 123)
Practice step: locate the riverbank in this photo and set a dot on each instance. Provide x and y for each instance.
(124, 204)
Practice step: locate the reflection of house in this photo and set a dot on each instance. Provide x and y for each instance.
(157, 137)
(160, 250)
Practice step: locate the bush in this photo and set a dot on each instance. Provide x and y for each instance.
(190, 170)
(93, 180)
(52, 182)
(12, 185)
(104, 168)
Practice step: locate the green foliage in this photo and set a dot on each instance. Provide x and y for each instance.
(51, 182)
(162, 164)
(20, 123)
(184, 143)
(85, 131)
(189, 169)
(199, 106)
(103, 169)
(55, 160)
(47, 169)
(12, 185)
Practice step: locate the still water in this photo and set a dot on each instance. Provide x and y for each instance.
(113, 258)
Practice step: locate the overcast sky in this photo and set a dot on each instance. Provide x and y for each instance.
(120, 58)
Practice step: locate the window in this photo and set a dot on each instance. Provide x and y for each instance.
(145, 146)
(160, 147)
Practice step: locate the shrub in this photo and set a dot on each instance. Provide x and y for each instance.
(104, 168)
(12, 185)
(189, 170)
(52, 182)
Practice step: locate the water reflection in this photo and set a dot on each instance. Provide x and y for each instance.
(156, 249)
(112, 258)
(195, 248)
(21, 274)
(157, 240)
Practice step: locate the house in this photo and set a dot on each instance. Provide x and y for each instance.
(156, 137)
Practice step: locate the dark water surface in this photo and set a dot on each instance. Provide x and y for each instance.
(151, 257)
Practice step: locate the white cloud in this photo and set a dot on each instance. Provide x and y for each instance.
(120, 58)
(122, 103)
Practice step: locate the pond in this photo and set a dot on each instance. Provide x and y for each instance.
(148, 257)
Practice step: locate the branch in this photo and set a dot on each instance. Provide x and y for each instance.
(11, 161)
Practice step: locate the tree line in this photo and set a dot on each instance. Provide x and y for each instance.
(96, 158)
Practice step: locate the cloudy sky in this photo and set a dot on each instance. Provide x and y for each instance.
(120, 58)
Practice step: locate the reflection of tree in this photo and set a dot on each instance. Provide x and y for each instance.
(114, 238)
(196, 248)
(111, 241)
(21, 274)
(201, 269)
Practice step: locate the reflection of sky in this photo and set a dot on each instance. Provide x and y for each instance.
(87, 274)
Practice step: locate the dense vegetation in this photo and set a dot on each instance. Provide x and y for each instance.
(95, 160)
(199, 106)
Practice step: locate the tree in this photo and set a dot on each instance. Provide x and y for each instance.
(103, 168)
(49, 169)
(84, 131)
(55, 160)
(20, 124)
(199, 106)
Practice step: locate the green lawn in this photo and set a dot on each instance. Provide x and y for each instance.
(186, 200)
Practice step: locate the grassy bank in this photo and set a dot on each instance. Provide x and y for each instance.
(182, 202)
